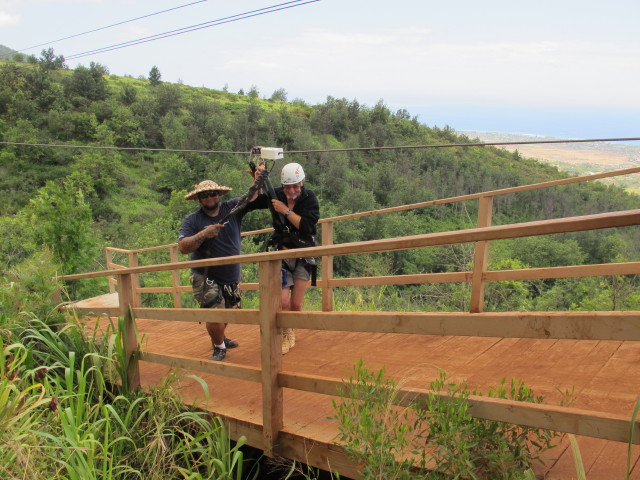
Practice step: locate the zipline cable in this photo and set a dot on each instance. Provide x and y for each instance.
(192, 28)
(112, 25)
(328, 150)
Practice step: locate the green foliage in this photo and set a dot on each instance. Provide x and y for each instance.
(50, 61)
(60, 217)
(64, 413)
(441, 434)
(130, 192)
(374, 431)
(29, 291)
(154, 75)
(21, 411)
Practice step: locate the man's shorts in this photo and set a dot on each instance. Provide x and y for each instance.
(212, 293)
(295, 268)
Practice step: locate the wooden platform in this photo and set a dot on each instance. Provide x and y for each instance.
(602, 375)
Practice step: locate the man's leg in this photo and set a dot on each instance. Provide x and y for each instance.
(216, 332)
(209, 296)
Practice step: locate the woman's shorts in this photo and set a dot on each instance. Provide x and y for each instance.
(295, 268)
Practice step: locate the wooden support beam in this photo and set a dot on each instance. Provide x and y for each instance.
(175, 277)
(111, 282)
(135, 280)
(226, 369)
(481, 256)
(271, 354)
(205, 315)
(126, 299)
(571, 325)
(327, 269)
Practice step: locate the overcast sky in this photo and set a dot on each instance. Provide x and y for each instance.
(562, 68)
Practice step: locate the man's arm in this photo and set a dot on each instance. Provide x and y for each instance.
(192, 243)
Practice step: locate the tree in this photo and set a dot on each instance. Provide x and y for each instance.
(280, 95)
(61, 218)
(89, 82)
(253, 92)
(50, 61)
(154, 75)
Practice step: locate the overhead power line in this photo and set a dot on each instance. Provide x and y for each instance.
(329, 150)
(192, 28)
(113, 25)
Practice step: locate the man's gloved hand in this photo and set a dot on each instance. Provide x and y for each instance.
(212, 231)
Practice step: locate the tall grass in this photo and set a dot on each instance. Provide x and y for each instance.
(66, 412)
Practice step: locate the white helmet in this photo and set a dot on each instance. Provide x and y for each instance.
(291, 173)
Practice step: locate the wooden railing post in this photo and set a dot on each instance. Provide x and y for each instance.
(327, 268)
(271, 353)
(481, 256)
(135, 279)
(111, 281)
(175, 277)
(125, 296)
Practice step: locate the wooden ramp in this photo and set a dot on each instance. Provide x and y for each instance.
(603, 376)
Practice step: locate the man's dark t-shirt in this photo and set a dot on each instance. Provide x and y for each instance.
(226, 244)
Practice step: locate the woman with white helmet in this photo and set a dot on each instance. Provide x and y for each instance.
(299, 208)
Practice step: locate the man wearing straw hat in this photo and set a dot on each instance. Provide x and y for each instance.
(211, 232)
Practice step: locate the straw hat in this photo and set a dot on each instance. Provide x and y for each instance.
(206, 186)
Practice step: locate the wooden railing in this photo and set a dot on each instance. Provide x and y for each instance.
(606, 325)
(477, 277)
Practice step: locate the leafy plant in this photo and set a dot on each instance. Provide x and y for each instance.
(440, 434)
(373, 430)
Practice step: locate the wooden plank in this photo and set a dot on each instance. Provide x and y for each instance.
(97, 311)
(576, 325)
(572, 271)
(628, 268)
(612, 461)
(565, 469)
(164, 289)
(210, 315)
(331, 458)
(226, 369)
(271, 354)
(420, 278)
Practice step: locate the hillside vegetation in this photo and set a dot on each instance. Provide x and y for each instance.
(77, 200)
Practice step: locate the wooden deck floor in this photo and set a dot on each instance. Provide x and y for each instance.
(603, 376)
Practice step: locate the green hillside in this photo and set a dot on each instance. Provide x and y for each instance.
(77, 200)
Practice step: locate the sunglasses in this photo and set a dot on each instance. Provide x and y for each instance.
(211, 193)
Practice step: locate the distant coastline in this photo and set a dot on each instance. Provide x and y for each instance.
(573, 158)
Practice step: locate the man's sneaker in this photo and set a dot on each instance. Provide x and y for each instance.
(286, 346)
(218, 354)
(230, 343)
